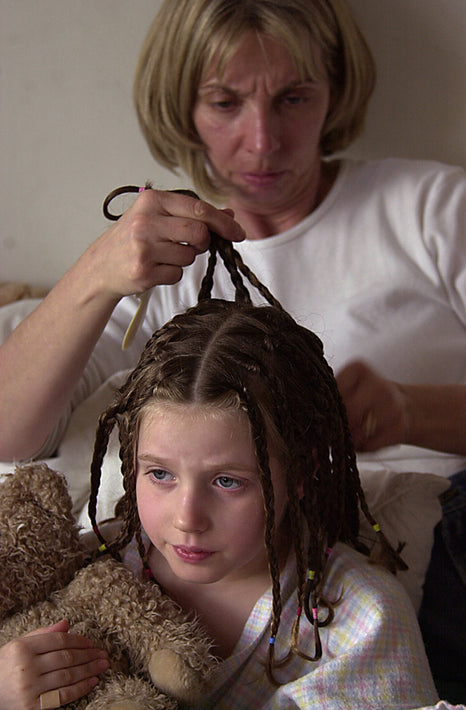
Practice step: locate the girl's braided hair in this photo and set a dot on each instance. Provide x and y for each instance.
(258, 359)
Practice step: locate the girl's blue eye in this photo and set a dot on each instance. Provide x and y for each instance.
(159, 474)
(228, 483)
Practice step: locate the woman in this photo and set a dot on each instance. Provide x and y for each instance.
(248, 98)
(252, 99)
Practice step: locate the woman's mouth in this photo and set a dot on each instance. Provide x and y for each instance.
(192, 555)
(262, 179)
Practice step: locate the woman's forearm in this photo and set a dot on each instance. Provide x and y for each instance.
(42, 361)
(436, 417)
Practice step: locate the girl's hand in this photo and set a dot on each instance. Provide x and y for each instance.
(376, 407)
(48, 659)
(161, 233)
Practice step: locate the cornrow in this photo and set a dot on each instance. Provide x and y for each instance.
(258, 360)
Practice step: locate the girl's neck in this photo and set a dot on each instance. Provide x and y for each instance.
(260, 223)
(223, 608)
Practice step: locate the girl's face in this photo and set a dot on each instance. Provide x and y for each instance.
(261, 126)
(199, 495)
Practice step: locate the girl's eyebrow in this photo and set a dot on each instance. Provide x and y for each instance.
(161, 461)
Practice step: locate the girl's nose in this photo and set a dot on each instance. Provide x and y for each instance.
(261, 131)
(190, 514)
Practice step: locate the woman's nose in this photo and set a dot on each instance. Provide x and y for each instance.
(190, 514)
(261, 131)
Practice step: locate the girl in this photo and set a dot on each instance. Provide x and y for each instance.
(241, 496)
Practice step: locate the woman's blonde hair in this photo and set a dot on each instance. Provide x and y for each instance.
(187, 35)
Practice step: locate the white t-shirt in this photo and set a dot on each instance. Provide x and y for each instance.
(378, 271)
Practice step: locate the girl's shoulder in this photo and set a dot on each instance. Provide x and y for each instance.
(353, 575)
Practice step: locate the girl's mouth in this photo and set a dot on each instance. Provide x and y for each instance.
(192, 555)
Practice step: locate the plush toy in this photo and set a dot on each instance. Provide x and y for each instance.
(158, 655)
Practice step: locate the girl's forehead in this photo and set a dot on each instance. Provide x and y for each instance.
(182, 412)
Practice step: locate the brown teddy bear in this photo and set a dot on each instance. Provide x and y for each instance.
(158, 655)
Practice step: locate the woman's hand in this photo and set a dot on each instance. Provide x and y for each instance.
(42, 360)
(48, 659)
(149, 245)
(376, 407)
(384, 413)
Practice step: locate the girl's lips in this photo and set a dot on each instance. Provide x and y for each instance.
(192, 554)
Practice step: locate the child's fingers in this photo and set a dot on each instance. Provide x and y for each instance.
(74, 679)
(85, 661)
(47, 640)
(75, 691)
(62, 625)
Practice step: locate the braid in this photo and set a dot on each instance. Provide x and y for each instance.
(105, 426)
(259, 435)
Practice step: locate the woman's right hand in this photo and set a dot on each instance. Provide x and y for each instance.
(48, 659)
(149, 245)
(43, 359)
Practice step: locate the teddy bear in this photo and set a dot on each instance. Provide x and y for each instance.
(159, 656)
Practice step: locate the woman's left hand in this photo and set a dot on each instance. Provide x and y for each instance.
(376, 407)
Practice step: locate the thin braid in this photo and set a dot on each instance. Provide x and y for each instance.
(208, 280)
(105, 426)
(253, 280)
(260, 440)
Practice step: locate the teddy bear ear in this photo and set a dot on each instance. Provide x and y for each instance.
(40, 544)
(39, 483)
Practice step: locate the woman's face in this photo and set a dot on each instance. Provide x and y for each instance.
(261, 125)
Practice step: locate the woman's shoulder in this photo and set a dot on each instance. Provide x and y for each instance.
(398, 171)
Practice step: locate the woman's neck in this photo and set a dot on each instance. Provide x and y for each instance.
(263, 222)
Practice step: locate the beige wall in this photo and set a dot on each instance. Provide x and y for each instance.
(68, 133)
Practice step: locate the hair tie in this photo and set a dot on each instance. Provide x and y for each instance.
(148, 572)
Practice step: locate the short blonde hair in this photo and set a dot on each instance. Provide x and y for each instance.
(185, 37)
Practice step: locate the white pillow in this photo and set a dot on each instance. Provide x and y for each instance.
(407, 508)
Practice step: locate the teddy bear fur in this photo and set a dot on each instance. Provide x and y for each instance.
(159, 656)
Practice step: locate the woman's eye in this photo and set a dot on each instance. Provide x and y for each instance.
(225, 105)
(293, 99)
(228, 482)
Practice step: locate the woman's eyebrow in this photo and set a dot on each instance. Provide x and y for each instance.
(219, 86)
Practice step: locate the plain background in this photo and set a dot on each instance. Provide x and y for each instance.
(69, 134)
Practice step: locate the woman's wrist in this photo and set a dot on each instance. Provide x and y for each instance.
(435, 416)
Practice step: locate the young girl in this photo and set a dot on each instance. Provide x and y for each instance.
(241, 498)
(242, 501)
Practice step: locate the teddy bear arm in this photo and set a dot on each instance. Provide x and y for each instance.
(148, 627)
